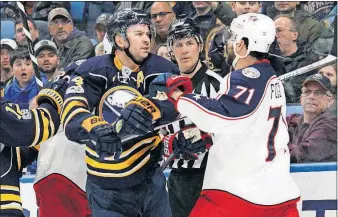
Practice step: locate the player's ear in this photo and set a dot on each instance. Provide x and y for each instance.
(120, 41)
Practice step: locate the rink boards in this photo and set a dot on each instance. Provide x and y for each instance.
(317, 182)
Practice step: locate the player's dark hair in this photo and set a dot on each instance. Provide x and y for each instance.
(19, 54)
(257, 55)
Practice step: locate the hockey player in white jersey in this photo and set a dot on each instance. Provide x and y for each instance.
(248, 167)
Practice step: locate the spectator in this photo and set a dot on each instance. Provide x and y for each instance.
(41, 9)
(293, 57)
(313, 135)
(182, 9)
(309, 27)
(162, 15)
(162, 51)
(9, 10)
(92, 10)
(246, 7)
(24, 87)
(7, 46)
(28, 5)
(331, 73)
(20, 36)
(72, 44)
(319, 9)
(47, 56)
(223, 12)
(101, 27)
(204, 17)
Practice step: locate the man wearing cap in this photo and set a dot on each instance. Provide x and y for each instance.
(313, 135)
(73, 45)
(47, 56)
(101, 26)
(7, 45)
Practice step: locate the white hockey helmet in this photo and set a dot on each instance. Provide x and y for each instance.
(259, 29)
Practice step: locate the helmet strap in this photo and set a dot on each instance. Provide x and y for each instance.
(126, 50)
(234, 62)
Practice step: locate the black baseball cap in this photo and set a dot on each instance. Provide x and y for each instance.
(321, 79)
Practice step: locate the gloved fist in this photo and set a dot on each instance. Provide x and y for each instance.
(159, 84)
(168, 83)
(53, 94)
(137, 117)
(103, 137)
(190, 141)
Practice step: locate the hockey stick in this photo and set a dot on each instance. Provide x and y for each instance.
(28, 35)
(127, 138)
(170, 159)
(326, 61)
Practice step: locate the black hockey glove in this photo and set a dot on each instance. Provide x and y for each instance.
(190, 142)
(103, 137)
(137, 117)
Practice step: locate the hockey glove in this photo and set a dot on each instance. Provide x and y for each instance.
(168, 83)
(190, 142)
(102, 136)
(53, 94)
(137, 117)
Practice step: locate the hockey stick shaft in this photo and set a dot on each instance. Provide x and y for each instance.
(28, 35)
(326, 61)
(170, 159)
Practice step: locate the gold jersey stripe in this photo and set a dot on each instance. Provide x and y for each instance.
(117, 166)
(9, 188)
(51, 123)
(11, 206)
(119, 175)
(45, 123)
(10, 197)
(18, 157)
(147, 141)
(71, 115)
(70, 106)
(37, 127)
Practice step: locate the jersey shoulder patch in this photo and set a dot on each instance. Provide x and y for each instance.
(251, 72)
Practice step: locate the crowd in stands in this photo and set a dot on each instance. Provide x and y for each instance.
(305, 34)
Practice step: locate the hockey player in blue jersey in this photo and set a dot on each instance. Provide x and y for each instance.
(123, 180)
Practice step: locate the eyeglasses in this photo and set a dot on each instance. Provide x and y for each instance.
(279, 30)
(57, 22)
(316, 93)
(161, 15)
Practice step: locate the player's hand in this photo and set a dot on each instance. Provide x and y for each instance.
(53, 94)
(190, 141)
(102, 136)
(172, 83)
(159, 84)
(137, 117)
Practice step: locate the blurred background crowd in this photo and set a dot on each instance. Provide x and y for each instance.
(64, 33)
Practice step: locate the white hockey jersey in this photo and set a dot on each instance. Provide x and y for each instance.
(250, 156)
(58, 155)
